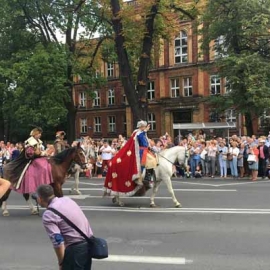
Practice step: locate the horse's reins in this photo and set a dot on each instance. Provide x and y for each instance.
(171, 161)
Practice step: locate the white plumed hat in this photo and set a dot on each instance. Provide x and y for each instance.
(141, 123)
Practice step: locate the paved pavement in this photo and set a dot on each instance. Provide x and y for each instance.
(224, 224)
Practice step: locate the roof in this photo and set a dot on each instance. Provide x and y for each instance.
(208, 125)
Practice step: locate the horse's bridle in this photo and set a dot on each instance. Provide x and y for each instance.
(171, 161)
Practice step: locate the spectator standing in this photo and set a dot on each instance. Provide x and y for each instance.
(106, 154)
(263, 157)
(212, 153)
(222, 158)
(70, 247)
(240, 160)
(254, 165)
(234, 151)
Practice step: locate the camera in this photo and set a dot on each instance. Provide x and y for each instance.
(34, 196)
(220, 151)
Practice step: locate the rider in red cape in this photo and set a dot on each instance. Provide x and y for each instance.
(31, 168)
(124, 176)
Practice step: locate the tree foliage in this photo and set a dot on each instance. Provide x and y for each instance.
(241, 31)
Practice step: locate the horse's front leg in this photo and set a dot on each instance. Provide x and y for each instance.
(117, 201)
(5, 212)
(3, 203)
(168, 182)
(75, 188)
(29, 201)
(154, 193)
(57, 189)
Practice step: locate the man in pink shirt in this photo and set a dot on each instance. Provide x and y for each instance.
(70, 247)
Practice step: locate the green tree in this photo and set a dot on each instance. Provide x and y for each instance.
(137, 28)
(240, 30)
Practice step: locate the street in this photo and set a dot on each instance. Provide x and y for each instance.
(224, 224)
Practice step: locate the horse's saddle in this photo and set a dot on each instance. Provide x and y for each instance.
(151, 160)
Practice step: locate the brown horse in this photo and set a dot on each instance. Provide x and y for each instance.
(60, 165)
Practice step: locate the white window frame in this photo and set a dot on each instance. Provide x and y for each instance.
(96, 100)
(111, 124)
(151, 117)
(110, 69)
(230, 115)
(215, 85)
(82, 99)
(83, 125)
(175, 88)
(111, 97)
(181, 48)
(219, 42)
(187, 87)
(151, 90)
(97, 124)
(227, 86)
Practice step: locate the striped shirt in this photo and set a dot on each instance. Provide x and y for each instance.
(58, 230)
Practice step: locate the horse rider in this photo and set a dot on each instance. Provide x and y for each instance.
(144, 146)
(31, 161)
(59, 143)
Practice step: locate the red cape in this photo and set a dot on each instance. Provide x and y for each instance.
(124, 169)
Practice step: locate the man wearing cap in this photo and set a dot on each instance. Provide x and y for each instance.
(59, 143)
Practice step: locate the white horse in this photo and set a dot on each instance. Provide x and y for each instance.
(164, 172)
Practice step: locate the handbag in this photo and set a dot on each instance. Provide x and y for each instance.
(98, 247)
(251, 158)
(230, 156)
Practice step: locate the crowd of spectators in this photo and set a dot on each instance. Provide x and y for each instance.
(236, 157)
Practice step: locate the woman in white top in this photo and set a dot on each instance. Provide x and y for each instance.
(234, 150)
(212, 153)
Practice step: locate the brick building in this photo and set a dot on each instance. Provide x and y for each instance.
(176, 90)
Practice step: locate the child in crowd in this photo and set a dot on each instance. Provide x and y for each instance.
(198, 172)
(187, 172)
(88, 171)
(99, 167)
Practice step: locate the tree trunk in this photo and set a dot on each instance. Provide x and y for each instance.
(248, 124)
(71, 118)
(136, 99)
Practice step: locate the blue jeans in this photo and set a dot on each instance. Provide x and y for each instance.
(233, 166)
(223, 166)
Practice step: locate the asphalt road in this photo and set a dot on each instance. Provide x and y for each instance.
(224, 224)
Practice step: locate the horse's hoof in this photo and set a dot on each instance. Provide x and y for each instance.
(5, 213)
(153, 205)
(178, 205)
(121, 204)
(34, 212)
(75, 192)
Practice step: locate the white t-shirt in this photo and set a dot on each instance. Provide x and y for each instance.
(104, 154)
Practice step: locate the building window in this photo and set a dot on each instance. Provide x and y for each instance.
(82, 99)
(83, 125)
(152, 121)
(214, 117)
(174, 88)
(215, 84)
(97, 124)
(111, 97)
(230, 115)
(111, 124)
(228, 86)
(187, 86)
(151, 91)
(220, 49)
(110, 70)
(181, 48)
(125, 123)
(96, 100)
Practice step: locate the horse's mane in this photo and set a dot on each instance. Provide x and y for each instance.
(59, 158)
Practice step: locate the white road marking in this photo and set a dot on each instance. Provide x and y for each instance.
(146, 259)
(176, 189)
(87, 183)
(164, 210)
